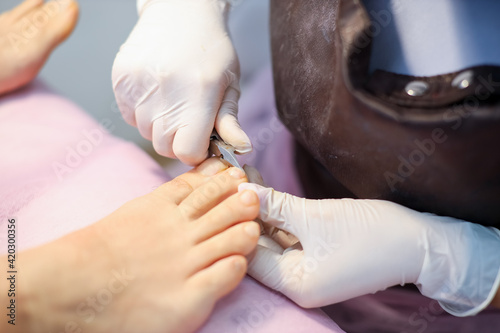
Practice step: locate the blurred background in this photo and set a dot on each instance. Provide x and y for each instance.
(80, 69)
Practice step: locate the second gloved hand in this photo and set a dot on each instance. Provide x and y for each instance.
(177, 77)
(349, 248)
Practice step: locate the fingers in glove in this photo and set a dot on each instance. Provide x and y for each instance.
(282, 272)
(191, 142)
(227, 124)
(163, 138)
(133, 85)
(279, 209)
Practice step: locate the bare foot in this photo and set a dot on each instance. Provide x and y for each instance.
(28, 34)
(157, 264)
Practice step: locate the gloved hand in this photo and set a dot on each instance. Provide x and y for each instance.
(349, 248)
(177, 76)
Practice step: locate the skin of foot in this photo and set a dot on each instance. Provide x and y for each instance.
(157, 264)
(28, 35)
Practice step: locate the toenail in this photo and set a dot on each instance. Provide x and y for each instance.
(252, 230)
(236, 173)
(248, 198)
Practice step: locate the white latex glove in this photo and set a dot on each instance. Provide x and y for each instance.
(353, 247)
(177, 76)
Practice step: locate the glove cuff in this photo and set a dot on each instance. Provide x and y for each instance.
(223, 4)
(462, 271)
